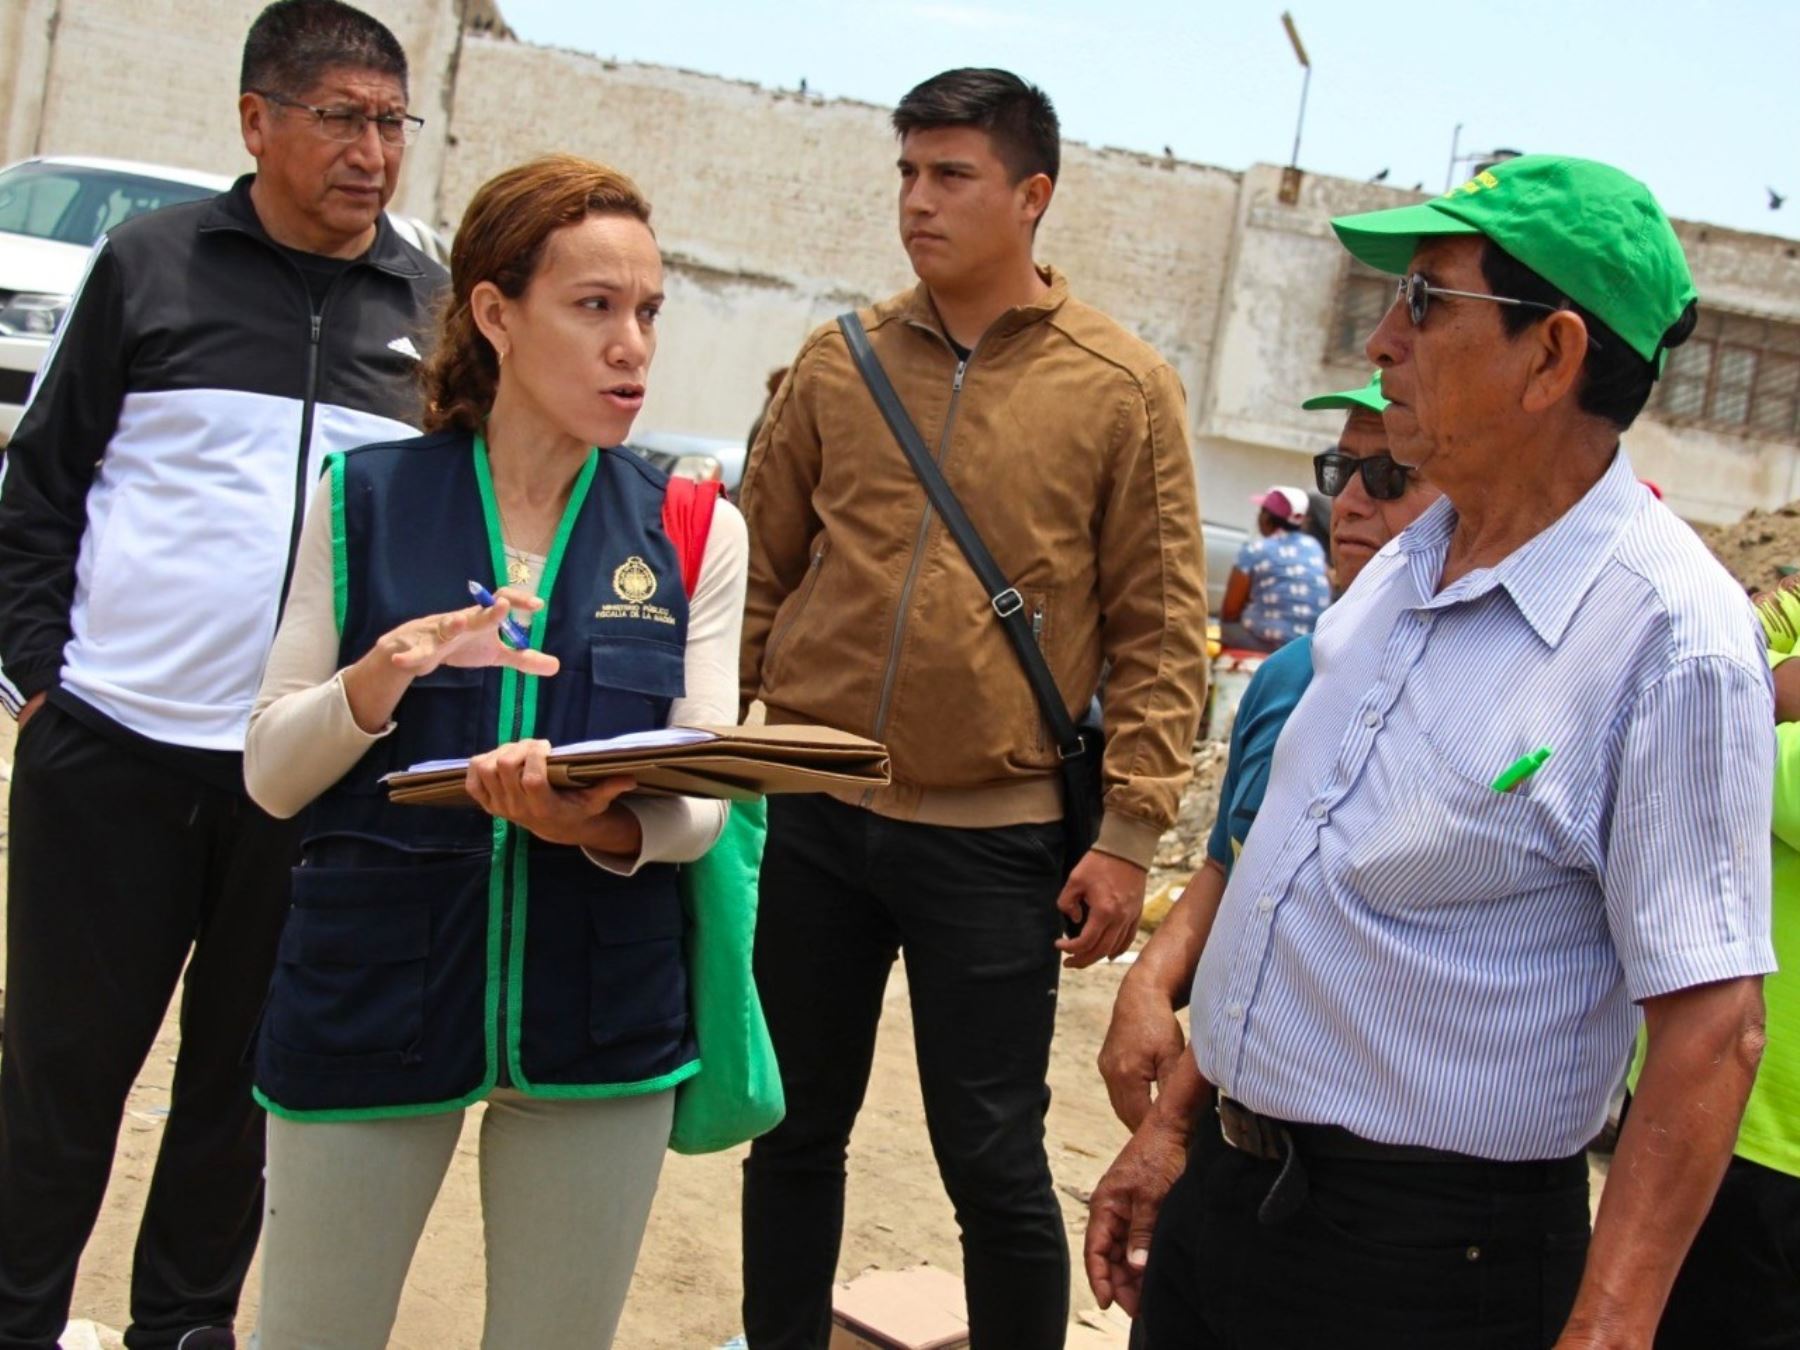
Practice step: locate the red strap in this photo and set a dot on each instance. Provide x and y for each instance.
(687, 519)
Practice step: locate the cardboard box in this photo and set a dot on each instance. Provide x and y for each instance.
(917, 1309)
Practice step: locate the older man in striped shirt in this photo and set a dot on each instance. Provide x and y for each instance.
(1526, 794)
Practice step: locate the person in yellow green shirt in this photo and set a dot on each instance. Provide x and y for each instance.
(1740, 1284)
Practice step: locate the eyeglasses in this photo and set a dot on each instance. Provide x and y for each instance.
(348, 124)
(1415, 293)
(1383, 479)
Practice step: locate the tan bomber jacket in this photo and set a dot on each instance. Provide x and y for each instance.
(1065, 438)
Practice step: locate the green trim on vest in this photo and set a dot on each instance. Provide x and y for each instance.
(340, 541)
(510, 866)
(594, 1091)
(508, 872)
(352, 1113)
(515, 988)
(502, 831)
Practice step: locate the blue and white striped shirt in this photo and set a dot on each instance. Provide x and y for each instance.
(1407, 953)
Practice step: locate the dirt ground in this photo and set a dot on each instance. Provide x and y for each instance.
(686, 1291)
(685, 1296)
(1757, 547)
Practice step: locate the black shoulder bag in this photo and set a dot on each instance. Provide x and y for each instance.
(1080, 746)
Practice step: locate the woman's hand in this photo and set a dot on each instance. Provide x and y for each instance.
(458, 637)
(513, 783)
(465, 637)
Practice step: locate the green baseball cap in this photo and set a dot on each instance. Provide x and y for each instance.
(1368, 398)
(1590, 230)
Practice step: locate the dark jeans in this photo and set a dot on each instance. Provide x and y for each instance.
(1740, 1284)
(974, 914)
(1397, 1255)
(117, 870)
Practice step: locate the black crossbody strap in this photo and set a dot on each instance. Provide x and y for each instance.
(1007, 603)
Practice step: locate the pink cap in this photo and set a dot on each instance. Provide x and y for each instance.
(1284, 503)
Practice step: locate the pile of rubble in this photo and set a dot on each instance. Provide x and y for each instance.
(1183, 848)
(1758, 547)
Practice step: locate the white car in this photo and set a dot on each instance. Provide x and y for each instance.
(52, 209)
(705, 458)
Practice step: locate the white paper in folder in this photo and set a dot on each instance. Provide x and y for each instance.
(662, 738)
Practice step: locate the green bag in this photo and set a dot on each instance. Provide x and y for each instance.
(737, 1093)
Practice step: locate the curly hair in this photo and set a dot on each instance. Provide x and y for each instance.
(501, 239)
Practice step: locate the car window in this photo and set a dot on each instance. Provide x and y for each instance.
(34, 205)
(74, 205)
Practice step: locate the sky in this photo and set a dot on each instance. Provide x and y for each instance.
(1700, 100)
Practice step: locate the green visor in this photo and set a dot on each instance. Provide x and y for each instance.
(1368, 397)
(1590, 230)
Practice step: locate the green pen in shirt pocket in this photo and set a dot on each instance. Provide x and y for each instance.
(1521, 769)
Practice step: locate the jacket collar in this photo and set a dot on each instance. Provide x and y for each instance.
(232, 210)
(916, 307)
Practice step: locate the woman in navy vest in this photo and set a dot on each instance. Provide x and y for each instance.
(529, 955)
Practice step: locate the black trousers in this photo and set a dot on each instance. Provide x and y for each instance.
(117, 870)
(974, 914)
(1740, 1284)
(1396, 1255)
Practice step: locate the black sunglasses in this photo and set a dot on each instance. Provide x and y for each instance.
(1383, 479)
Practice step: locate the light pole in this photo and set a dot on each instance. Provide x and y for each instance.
(1287, 22)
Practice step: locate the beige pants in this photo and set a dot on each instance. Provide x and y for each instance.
(565, 1193)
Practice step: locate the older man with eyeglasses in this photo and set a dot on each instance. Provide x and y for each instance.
(1525, 800)
(151, 503)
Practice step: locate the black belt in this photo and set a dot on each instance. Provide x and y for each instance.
(1265, 1137)
(1286, 1142)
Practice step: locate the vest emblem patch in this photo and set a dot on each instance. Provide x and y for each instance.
(634, 581)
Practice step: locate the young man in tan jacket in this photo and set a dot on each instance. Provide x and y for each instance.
(1065, 440)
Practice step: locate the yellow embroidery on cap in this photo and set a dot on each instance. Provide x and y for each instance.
(634, 581)
(1484, 179)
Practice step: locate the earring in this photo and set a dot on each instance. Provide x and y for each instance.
(500, 353)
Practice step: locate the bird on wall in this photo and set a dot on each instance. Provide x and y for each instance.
(1380, 177)
(1168, 152)
(1775, 199)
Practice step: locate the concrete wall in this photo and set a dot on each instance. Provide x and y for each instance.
(1287, 269)
(1287, 272)
(1711, 475)
(26, 31)
(776, 211)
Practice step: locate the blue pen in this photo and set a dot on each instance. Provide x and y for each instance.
(512, 632)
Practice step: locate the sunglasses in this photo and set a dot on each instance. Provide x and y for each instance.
(1416, 293)
(1383, 479)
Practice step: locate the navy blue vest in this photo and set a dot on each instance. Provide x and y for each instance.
(432, 953)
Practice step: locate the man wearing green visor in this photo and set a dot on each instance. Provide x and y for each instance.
(1740, 1285)
(1527, 793)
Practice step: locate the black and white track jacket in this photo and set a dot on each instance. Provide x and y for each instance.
(152, 496)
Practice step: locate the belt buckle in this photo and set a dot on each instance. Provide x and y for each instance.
(1247, 1132)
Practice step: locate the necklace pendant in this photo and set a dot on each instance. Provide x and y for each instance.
(518, 572)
